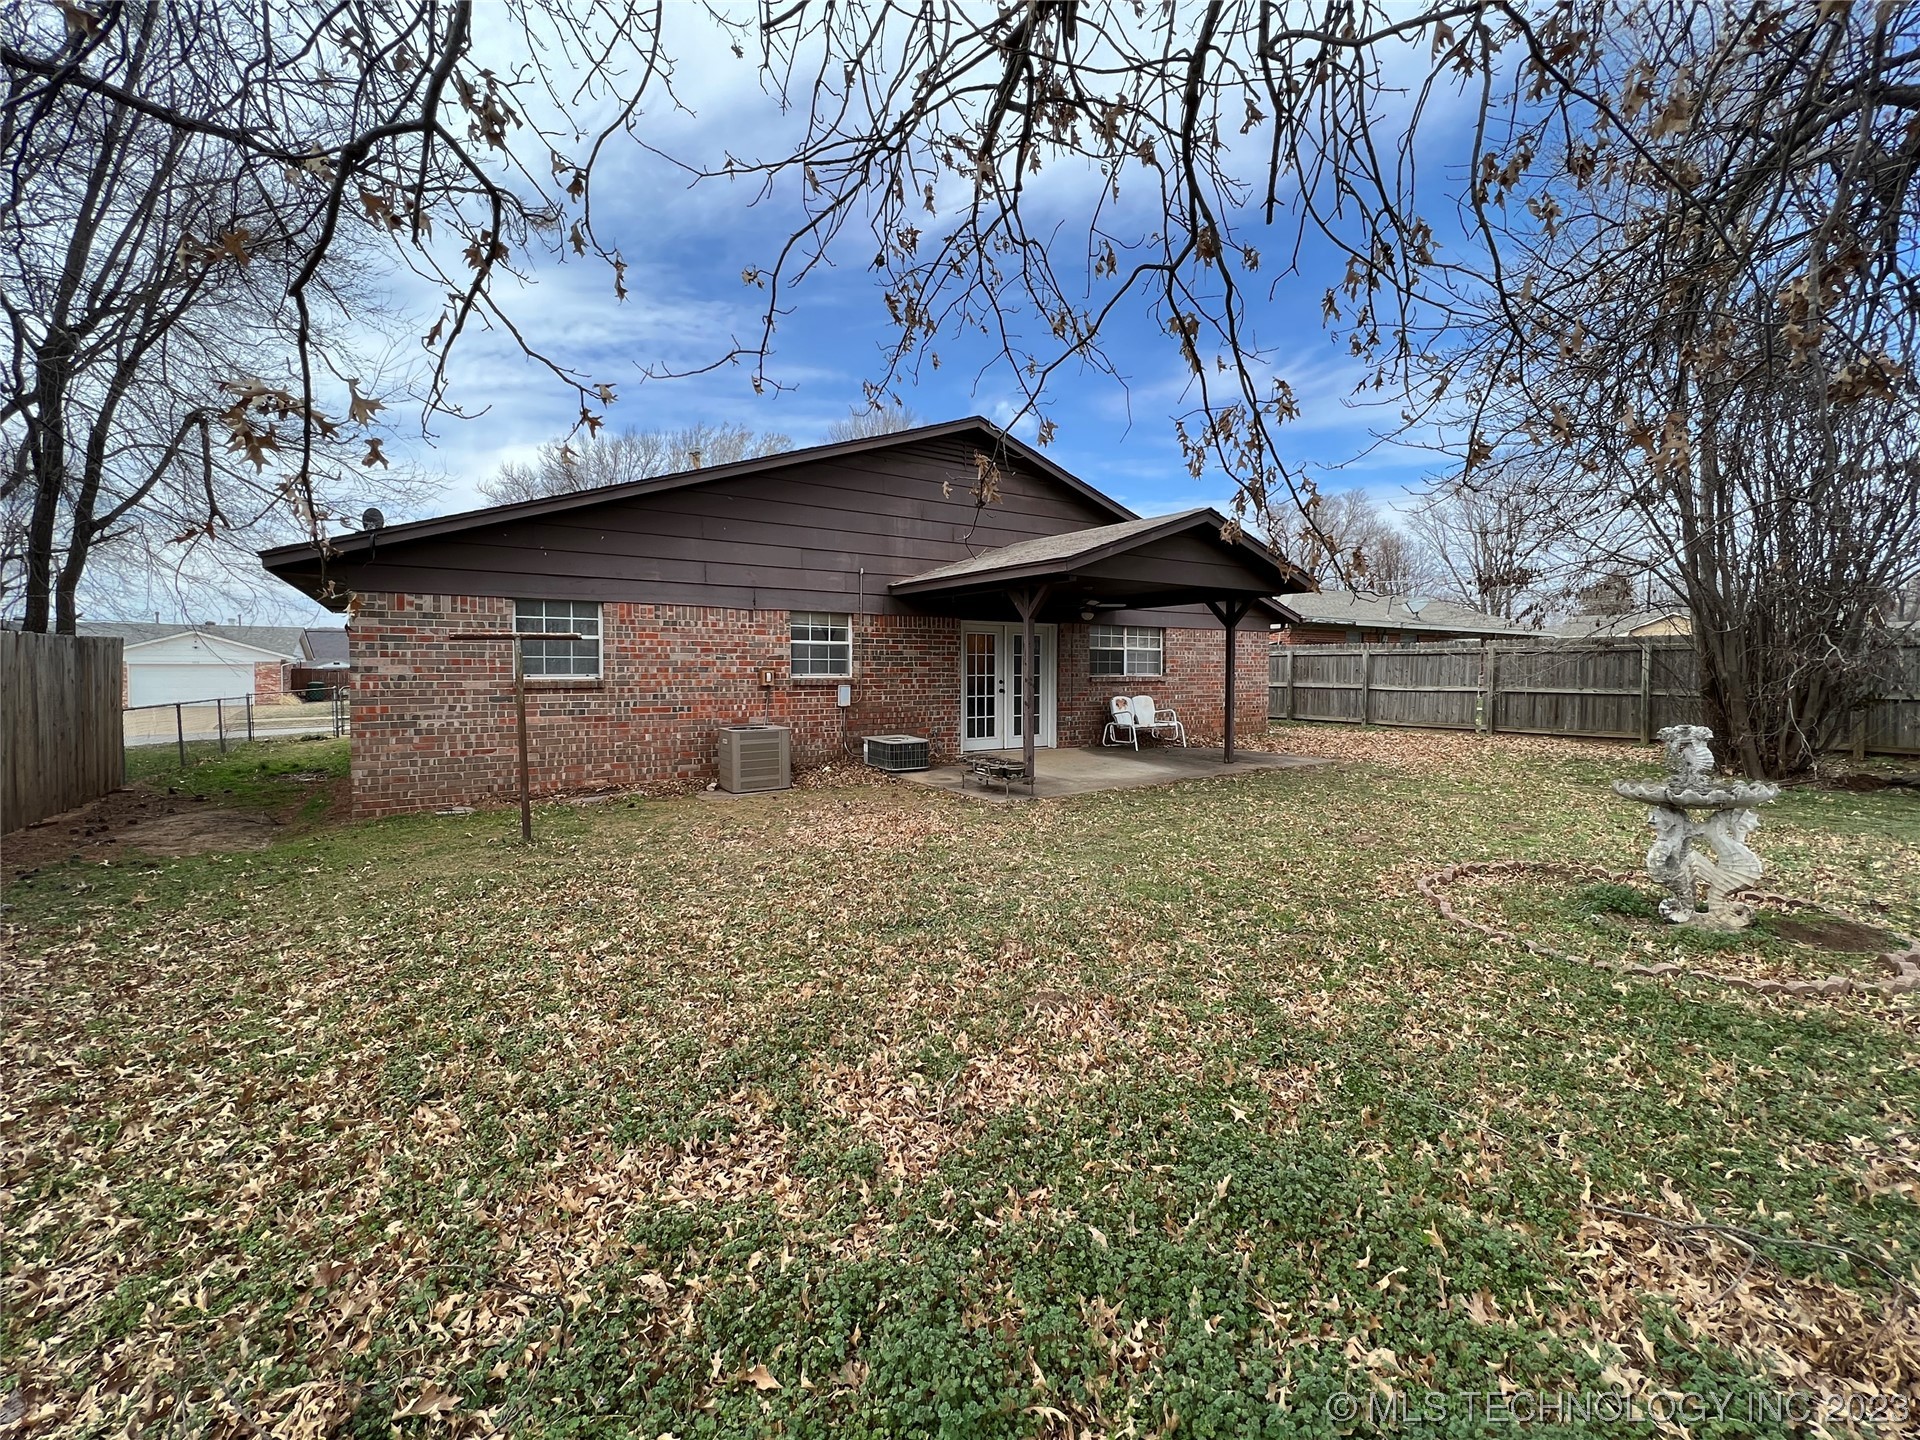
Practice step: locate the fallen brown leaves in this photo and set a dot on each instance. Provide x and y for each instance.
(916, 1122)
(1814, 1335)
(393, 1113)
(1421, 752)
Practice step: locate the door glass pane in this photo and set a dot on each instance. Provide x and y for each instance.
(979, 695)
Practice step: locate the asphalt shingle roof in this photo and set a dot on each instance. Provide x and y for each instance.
(328, 646)
(1389, 612)
(1046, 549)
(283, 640)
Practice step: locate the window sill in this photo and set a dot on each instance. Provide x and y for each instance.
(555, 682)
(819, 679)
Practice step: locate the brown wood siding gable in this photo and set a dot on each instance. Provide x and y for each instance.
(797, 537)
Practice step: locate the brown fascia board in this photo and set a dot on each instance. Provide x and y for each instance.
(555, 504)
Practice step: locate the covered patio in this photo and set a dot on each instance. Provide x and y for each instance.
(1163, 561)
(1088, 771)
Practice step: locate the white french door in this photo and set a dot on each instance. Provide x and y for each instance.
(991, 712)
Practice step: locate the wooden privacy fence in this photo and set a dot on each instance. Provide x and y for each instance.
(59, 724)
(1622, 691)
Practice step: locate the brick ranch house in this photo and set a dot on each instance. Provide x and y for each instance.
(757, 591)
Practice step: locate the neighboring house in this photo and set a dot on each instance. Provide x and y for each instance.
(1635, 625)
(170, 663)
(324, 649)
(844, 590)
(1342, 617)
(324, 665)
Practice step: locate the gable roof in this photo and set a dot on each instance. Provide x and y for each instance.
(546, 505)
(326, 646)
(281, 642)
(133, 632)
(1054, 556)
(1390, 612)
(1051, 551)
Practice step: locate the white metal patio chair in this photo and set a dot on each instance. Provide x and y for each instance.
(1128, 716)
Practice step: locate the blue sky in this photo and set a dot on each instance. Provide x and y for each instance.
(686, 247)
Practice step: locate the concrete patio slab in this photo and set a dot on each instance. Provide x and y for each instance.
(1085, 772)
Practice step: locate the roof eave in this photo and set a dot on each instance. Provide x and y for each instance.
(208, 635)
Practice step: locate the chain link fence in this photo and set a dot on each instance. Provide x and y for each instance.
(181, 734)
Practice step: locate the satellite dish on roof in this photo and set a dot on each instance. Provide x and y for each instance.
(1417, 603)
(372, 519)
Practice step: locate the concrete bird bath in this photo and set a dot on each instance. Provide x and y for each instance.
(1701, 863)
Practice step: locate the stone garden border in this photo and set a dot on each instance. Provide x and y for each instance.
(1904, 964)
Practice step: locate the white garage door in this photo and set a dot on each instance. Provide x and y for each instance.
(167, 684)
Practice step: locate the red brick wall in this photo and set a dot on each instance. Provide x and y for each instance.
(269, 680)
(433, 712)
(1193, 661)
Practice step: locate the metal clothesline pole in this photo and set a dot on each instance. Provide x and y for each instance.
(520, 723)
(519, 639)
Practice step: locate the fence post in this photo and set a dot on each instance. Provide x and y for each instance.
(220, 723)
(1290, 714)
(1860, 734)
(180, 733)
(1646, 693)
(249, 719)
(1366, 687)
(1492, 668)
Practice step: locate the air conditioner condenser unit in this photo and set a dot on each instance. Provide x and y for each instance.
(755, 757)
(897, 752)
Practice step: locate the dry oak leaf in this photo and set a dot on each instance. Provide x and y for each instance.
(431, 1400)
(362, 408)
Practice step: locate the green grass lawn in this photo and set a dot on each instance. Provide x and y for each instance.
(870, 1111)
(251, 774)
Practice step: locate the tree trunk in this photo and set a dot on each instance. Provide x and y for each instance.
(48, 450)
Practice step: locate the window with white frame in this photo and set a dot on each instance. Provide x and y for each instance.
(1125, 650)
(559, 659)
(822, 643)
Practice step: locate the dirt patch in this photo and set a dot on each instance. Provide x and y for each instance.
(92, 832)
(198, 831)
(137, 818)
(1830, 932)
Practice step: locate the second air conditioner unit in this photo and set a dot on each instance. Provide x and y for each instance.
(897, 752)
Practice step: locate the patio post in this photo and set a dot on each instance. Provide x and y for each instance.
(1229, 613)
(1027, 603)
